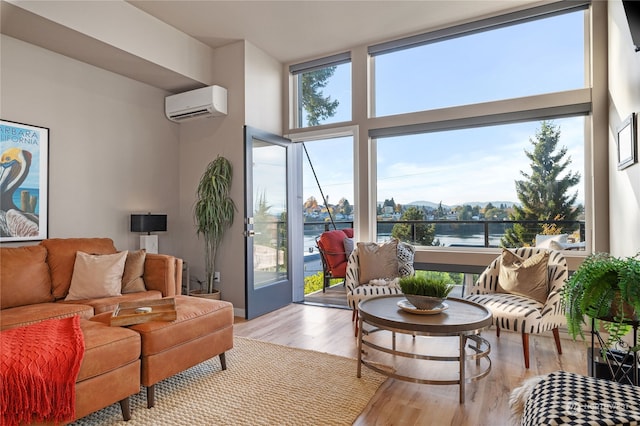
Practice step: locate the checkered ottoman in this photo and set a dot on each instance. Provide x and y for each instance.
(563, 398)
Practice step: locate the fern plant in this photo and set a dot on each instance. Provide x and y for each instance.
(599, 289)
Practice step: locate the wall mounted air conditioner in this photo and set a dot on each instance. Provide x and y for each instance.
(208, 101)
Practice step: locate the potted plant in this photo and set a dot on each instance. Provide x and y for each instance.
(604, 288)
(425, 292)
(213, 213)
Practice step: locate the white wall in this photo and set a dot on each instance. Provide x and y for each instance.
(253, 81)
(112, 151)
(200, 142)
(624, 95)
(263, 90)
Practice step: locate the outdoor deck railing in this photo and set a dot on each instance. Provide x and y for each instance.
(464, 229)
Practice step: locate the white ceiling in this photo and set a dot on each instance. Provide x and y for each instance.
(292, 31)
(289, 31)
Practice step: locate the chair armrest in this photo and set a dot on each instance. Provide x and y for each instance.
(553, 313)
(487, 282)
(351, 280)
(163, 273)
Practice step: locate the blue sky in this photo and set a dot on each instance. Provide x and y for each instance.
(468, 165)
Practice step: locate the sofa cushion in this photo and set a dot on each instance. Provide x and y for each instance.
(24, 276)
(378, 261)
(524, 277)
(97, 275)
(106, 349)
(31, 314)
(132, 281)
(61, 256)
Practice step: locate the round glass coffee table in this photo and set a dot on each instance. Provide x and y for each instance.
(461, 318)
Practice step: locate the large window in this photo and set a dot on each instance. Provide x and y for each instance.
(322, 91)
(451, 117)
(458, 180)
(534, 57)
(498, 158)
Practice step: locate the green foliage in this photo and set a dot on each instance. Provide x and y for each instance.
(602, 281)
(344, 207)
(426, 286)
(214, 211)
(543, 193)
(424, 233)
(450, 277)
(317, 106)
(263, 221)
(313, 283)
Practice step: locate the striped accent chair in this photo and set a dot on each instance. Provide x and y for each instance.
(357, 292)
(519, 313)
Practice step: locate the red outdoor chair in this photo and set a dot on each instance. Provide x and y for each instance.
(334, 258)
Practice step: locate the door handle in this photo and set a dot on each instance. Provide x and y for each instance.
(250, 233)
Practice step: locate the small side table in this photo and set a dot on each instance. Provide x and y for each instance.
(621, 365)
(185, 277)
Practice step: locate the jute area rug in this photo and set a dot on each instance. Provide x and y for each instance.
(264, 384)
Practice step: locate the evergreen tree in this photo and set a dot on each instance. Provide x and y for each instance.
(263, 221)
(344, 207)
(465, 212)
(424, 234)
(543, 193)
(317, 106)
(389, 203)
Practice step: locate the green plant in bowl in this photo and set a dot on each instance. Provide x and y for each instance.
(425, 292)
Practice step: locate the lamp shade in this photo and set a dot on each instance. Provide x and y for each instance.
(148, 222)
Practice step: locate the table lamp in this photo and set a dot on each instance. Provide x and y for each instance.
(149, 223)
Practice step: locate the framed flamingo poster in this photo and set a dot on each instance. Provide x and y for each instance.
(24, 170)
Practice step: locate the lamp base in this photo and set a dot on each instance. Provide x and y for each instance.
(149, 243)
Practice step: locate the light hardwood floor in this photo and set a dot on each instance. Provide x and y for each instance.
(402, 403)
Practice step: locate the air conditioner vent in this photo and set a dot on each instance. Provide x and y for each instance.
(208, 101)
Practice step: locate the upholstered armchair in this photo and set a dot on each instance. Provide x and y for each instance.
(363, 284)
(331, 246)
(515, 311)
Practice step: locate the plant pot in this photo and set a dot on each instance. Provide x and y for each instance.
(215, 295)
(624, 310)
(424, 302)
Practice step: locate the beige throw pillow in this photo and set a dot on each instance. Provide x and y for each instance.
(378, 261)
(96, 275)
(132, 281)
(524, 277)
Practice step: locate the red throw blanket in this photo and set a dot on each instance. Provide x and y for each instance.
(39, 366)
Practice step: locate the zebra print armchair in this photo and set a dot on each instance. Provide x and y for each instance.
(357, 292)
(519, 313)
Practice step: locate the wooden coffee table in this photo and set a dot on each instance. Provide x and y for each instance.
(462, 319)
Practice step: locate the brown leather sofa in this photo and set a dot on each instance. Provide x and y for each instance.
(34, 281)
